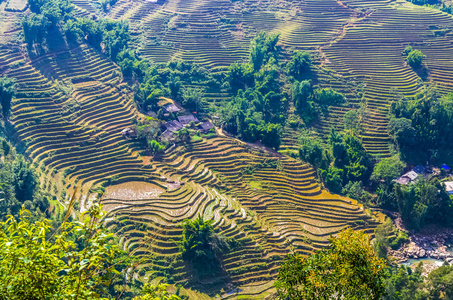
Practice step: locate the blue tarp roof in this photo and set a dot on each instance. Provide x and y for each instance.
(419, 169)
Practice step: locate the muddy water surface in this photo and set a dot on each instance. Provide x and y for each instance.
(133, 190)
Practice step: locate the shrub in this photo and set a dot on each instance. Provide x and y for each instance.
(415, 59)
(299, 64)
(328, 97)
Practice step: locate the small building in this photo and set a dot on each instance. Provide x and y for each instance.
(166, 135)
(419, 169)
(171, 108)
(185, 120)
(129, 133)
(173, 126)
(206, 126)
(409, 177)
(445, 168)
(449, 187)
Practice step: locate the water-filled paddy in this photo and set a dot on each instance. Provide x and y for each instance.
(133, 190)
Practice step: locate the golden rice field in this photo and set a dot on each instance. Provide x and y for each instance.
(273, 204)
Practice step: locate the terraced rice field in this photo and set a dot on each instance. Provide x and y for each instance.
(68, 114)
(273, 205)
(69, 111)
(358, 41)
(71, 106)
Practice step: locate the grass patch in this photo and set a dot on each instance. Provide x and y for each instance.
(196, 138)
(256, 185)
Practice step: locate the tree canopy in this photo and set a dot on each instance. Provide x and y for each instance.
(425, 202)
(77, 262)
(415, 58)
(7, 91)
(299, 64)
(202, 247)
(422, 128)
(388, 168)
(349, 269)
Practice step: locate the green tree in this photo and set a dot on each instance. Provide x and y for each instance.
(116, 36)
(328, 97)
(381, 238)
(415, 59)
(193, 98)
(34, 265)
(408, 49)
(312, 151)
(302, 95)
(72, 31)
(174, 86)
(358, 165)
(388, 169)
(240, 76)
(299, 64)
(351, 121)
(263, 48)
(155, 147)
(196, 244)
(423, 127)
(184, 135)
(7, 91)
(333, 178)
(349, 269)
(156, 292)
(405, 284)
(147, 130)
(270, 135)
(131, 65)
(35, 28)
(440, 283)
(425, 202)
(25, 180)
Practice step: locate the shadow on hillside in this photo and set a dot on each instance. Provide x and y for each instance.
(422, 72)
(211, 282)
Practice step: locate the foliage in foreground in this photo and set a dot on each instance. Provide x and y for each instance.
(350, 269)
(79, 262)
(159, 292)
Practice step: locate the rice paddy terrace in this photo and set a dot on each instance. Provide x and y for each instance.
(69, 110)
(76, 128)
(272, 205)
(72, 104)
(357, 41)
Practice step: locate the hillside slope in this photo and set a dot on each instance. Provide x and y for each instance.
(68, 114)
(72, 105)
(358, 41)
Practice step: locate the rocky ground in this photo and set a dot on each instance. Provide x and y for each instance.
(432, 243)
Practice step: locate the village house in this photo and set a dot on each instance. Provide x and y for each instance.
(166, 135)
(185, 120)
(206, 126)
(409, 177)
(129, 133)
(449, 187)
(173, 126)
(171, 108)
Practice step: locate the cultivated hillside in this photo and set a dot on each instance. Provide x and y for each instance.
(72, 104)
(358, 41)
